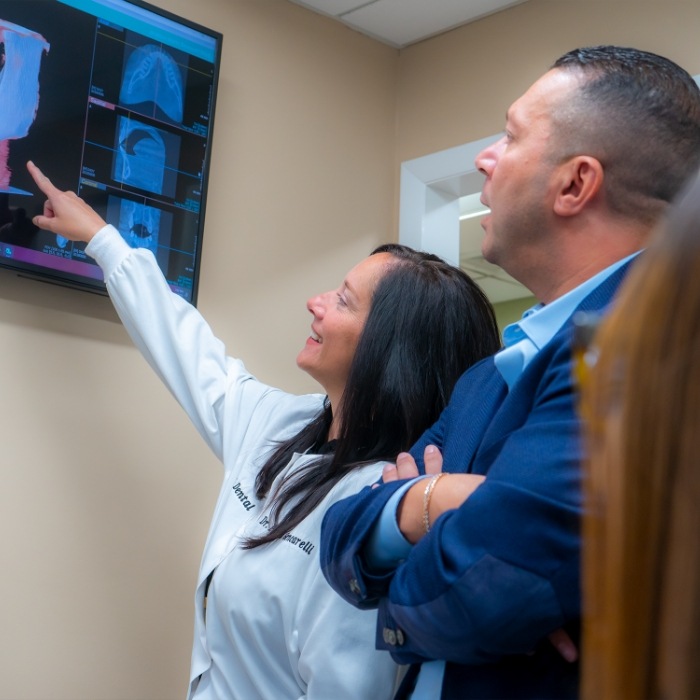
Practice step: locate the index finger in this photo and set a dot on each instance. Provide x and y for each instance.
(43, 182)
(432, 458)
(406, 466)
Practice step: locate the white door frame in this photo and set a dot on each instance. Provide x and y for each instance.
(429, 198)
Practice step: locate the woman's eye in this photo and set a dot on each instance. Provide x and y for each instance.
(341, 300)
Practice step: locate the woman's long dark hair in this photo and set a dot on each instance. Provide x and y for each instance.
(428, 323)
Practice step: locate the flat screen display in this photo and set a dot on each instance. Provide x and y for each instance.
(113, 99)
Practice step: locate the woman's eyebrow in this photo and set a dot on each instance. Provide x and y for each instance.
(353, 295)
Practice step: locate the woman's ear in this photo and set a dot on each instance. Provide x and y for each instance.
(581, 179)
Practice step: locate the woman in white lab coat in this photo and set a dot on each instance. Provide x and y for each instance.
(386, 347)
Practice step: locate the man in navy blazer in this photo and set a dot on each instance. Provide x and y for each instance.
(474, 564)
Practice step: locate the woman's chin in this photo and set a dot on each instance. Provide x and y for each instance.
(304, 365)
(301, 362)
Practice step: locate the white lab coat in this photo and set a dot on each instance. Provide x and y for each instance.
(274, 628)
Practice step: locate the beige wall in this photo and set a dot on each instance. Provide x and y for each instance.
(456, 88)
(511, 311)
(107, 490)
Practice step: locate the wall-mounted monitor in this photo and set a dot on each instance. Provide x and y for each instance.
(113, 99)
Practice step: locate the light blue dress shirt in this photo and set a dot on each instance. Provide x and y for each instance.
(387, 547)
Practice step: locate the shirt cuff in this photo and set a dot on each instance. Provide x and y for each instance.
(108, 248)
(386, 546)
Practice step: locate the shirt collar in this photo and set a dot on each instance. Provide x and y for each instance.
(539, 324)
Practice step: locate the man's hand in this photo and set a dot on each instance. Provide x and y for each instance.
(64, 212)
(564, 645)
(448, 493)
(406, 468)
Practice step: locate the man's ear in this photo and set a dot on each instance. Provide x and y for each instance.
(580, 181)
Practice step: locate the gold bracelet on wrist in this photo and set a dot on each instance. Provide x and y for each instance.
(426, 500)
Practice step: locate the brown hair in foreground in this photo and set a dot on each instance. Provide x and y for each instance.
(641, 407)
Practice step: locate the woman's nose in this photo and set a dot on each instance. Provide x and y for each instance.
(316, 305)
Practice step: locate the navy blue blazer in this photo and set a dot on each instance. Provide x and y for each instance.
(491, 579)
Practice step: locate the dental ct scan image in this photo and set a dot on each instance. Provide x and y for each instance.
(114, 100)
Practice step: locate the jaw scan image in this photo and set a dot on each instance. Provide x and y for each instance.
(145, 157)
(21, 51)
(139, 225)
(140, 157)
(152, 75)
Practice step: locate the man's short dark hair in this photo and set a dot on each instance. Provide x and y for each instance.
(639, 114)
